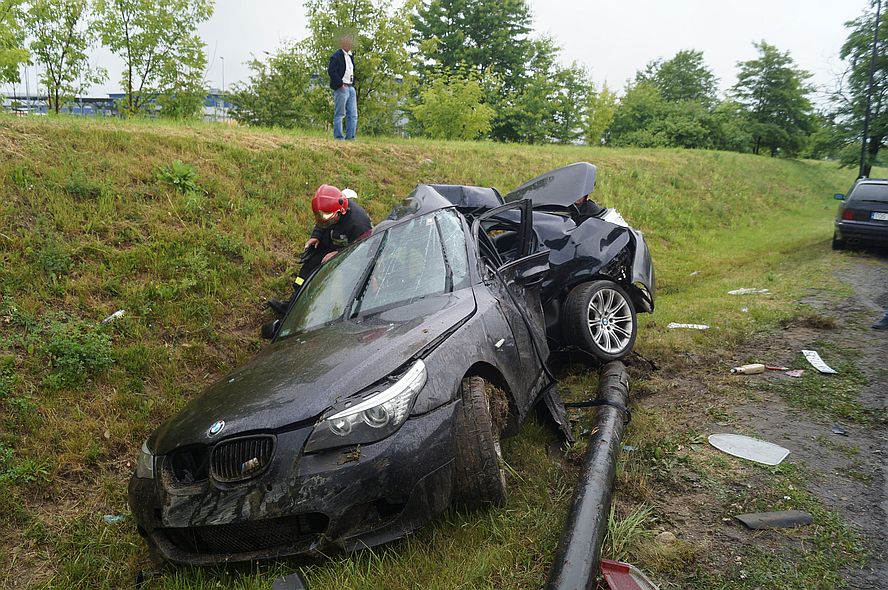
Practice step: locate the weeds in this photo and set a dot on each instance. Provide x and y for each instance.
(181, 176)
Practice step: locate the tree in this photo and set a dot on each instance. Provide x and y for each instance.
(549, 105)
(850, 97)
(600, 109)
(490, 37)
(450, 107)
(685, 76)
(281, 93)
(731, 127)
(62, 33)
(774, 93)
(12, 40)
(164, 57)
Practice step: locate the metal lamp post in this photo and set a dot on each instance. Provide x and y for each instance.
(224, 113)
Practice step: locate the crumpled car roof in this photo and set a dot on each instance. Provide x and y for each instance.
(562, 186)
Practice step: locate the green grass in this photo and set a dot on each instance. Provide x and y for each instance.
(188, 228)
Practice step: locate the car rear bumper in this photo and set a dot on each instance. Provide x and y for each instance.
(863, 231)
(306, 505)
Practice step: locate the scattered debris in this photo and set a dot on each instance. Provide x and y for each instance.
(776, 368)
(695, 273)
(630, 448)
(622, 576)
(749, 448)
(744, 309)
(748, 291)
(781, 519)
(753, 369)
(673, 325)
(117, 314)
(796, 373)
(294, 581)
(839, 430)
(114, 518)
(817, 362)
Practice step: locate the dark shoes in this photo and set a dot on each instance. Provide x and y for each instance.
(881, 324)
(277, 306)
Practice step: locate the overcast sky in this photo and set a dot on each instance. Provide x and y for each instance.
(612, 38)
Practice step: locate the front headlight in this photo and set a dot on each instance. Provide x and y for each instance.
(145, 464)
(369, 418)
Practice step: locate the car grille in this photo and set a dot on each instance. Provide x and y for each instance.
(241, 458)
(248, 537)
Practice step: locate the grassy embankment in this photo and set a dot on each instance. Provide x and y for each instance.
(89, 224)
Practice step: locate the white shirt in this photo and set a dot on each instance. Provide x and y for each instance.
(349, 76)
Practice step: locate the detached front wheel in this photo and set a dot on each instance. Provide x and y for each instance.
(478, 478)
(599, 317)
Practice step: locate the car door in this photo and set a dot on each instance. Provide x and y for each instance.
(513, 274)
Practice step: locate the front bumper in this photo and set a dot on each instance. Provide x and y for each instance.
(305, 504)
(872, 232)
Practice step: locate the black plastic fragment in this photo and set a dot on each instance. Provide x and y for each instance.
(782, 519)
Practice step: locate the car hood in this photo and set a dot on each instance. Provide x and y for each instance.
(560, 187)
(296, 379)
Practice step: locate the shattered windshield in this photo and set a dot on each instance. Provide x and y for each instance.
(421, 257)
(325, 297)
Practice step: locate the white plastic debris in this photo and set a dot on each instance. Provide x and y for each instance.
(749, 448)
(695, 273)
(817, 362)
(116, 315)
(748, 291)
(674, 325)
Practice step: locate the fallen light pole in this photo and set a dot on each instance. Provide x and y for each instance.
(576, 562)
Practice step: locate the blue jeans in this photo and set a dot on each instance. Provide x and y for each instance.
(345, 105)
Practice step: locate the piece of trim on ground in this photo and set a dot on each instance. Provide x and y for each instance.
(751, 449)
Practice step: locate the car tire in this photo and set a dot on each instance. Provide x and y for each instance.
(837, 244)
(599, 317)
(479, 478)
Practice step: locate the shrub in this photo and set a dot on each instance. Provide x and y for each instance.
(451, 107)
(182, 176)
(77, 351)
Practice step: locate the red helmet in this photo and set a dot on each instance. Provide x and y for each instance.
(327, 202)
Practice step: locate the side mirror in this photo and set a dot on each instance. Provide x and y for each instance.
(839, 197)
(270, 329)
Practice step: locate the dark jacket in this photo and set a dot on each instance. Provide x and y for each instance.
(351, 227)
(336, 68)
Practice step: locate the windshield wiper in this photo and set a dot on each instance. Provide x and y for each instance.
(448, 272)
(354, 305)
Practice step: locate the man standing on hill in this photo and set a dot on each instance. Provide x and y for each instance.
(342, 81)
(338, 223)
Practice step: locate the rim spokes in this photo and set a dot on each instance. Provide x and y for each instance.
(610, 320)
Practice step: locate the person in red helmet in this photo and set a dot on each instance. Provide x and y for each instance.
(338, 222)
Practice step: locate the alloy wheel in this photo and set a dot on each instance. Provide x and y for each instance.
(610, 320)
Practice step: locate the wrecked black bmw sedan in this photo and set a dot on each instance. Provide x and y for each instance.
(383, 396)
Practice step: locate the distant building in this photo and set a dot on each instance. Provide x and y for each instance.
(215, 107)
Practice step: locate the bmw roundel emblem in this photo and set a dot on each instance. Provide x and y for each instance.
(216, 428)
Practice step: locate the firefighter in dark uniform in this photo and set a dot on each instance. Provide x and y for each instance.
(338, 223)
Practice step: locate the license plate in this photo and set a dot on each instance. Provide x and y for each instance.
(880, 217)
